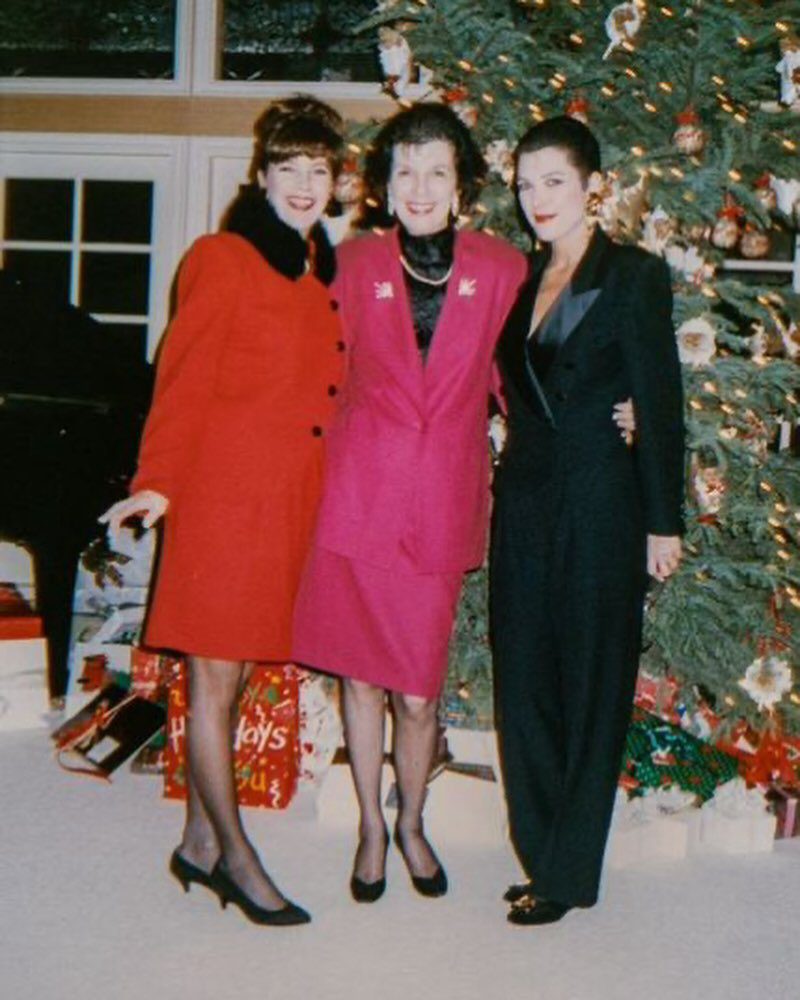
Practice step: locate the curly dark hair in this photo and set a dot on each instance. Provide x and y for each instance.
(563, 132)
(425, 123)
(297, 126)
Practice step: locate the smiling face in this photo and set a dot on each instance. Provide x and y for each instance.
(298, 189)
(422, 184)
(552, 193)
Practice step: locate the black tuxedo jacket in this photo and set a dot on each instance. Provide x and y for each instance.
(607, 337)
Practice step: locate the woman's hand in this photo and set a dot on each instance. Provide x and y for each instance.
(663, 555)
(624, 417)
(149, 504)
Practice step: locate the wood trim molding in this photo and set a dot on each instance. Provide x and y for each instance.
(178, 116)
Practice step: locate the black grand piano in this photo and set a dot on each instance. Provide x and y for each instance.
(73, 397)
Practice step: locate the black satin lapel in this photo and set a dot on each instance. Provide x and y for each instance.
(512, 349)
(567, 314)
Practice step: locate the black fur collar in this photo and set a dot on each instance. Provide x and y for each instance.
(283, 248)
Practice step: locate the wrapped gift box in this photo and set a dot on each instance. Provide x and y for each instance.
(651, 828)
(17, 618)
(737, 820)
(659, 754)
(658, 695)
(265, 741)
(24, 694)
(784, 806)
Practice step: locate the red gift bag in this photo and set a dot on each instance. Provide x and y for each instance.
(266, 748)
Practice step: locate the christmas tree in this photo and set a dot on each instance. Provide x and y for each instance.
(692, 104)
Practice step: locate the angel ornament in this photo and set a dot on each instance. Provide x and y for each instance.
(789, 69)
(622, 23)
(396, 60)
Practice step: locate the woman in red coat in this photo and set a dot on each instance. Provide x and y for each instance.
(232, 457)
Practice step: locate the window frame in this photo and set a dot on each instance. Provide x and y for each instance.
(181, 83)
(161, 160)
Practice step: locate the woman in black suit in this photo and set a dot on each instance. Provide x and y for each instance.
(580, 519)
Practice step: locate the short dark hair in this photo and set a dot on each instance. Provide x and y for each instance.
(297, 126)
(426, 123)
(563, 132)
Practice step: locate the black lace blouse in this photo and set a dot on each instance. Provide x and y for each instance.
(432, 257)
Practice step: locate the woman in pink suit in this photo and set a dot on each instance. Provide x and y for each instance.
(405, 501)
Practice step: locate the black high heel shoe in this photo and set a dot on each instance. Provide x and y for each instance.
(369, 892)
(426, 885)
(186, 873)
(229, 892)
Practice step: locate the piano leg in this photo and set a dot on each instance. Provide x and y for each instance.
(55, 566)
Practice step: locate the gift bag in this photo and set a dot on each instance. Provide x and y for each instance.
(266, 752)
(107, 731)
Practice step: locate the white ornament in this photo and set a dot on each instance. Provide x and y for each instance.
(789, 69)
(767, 680)
(659, 229)
(787, 193)
(396, 60)
(500, 160)
(697, 342)
(790, 335)
(687, 260)
(622, 24)
(758, 343)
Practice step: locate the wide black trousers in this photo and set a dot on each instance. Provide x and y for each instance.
(567, 586)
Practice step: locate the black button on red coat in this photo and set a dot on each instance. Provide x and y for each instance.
(332, 390)
(334, 305)
(340, 345)
(316, 430)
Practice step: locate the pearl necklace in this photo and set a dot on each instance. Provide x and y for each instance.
(420, 277)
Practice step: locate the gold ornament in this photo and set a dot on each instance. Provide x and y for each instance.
(754, 244)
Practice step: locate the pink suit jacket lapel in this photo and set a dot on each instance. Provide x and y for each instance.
(453, 324)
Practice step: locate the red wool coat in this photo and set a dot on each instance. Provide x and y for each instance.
(245, 389)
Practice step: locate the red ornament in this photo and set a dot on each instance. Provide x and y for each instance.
(455, 95)
(578, 108)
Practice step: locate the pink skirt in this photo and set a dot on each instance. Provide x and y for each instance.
(390, 628)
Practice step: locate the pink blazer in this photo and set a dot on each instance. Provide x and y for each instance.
(407, 464)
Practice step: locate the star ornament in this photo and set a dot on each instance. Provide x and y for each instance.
(767, 680)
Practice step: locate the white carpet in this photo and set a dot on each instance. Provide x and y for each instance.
(87, 910)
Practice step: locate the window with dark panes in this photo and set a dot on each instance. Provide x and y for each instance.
(87, 242)
(297, 40)
(88, 39)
